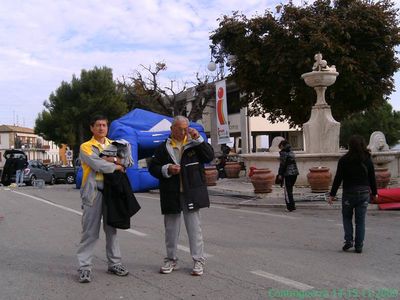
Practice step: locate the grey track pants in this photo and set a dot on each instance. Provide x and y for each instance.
(172, 223)
(91, 221)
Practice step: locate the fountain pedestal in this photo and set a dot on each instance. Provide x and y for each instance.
(321, 132)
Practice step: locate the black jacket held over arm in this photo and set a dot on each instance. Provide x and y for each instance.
(192, 176)
(121, 203)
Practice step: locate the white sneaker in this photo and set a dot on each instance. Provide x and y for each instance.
(169, 266)
(85, 276)
(198, 268)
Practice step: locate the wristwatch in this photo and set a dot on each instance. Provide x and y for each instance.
(115, 160)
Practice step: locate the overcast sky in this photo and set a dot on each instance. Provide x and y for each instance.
(44, 42)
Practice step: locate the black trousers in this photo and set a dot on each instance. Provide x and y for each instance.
(289, 183)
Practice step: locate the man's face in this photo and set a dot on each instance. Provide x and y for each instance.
(179, 130)
(99, 129)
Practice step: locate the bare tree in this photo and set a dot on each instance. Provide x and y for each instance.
(144, 91)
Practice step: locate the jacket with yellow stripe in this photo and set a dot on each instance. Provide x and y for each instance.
(191, 180)
(93, 167)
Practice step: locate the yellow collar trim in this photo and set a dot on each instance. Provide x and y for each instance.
(174, 142)
(97, 144)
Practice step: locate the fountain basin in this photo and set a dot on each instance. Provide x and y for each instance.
(319, 78)
(306, 161)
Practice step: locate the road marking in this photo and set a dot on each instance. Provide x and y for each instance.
(140, 196)
(240, 210)
(180, 247)
(135, 232)
(255, 212)
(286, 281)
(50, 203)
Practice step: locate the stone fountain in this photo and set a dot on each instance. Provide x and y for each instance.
(320, 133)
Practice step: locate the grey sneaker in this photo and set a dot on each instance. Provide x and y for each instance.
(118, 270)
(85, 276)
(169, 266)
(198, 268)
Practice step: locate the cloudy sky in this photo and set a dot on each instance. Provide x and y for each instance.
(44, 42)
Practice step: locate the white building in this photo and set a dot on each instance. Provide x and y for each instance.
(23, 138)
(258, 131)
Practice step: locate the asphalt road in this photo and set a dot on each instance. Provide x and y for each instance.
(251, 253)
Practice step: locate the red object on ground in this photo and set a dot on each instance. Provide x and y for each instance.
(389, 206)
(388, 199)
(251, 172)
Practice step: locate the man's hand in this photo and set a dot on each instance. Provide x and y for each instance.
(194, 134)
(119, 168)
(331, 199)
(174, 169)
(112, 159)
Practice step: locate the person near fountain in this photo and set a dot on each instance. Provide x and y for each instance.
(287, 172)
(356, 170)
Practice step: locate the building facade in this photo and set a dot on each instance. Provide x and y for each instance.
(248, 133)
(23, 138)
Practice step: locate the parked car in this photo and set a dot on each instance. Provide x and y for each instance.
(37, 170)
(63, 173)
(8, 173)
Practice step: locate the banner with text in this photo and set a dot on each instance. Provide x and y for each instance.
(222, 113)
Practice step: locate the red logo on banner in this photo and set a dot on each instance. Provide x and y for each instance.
(220, 103)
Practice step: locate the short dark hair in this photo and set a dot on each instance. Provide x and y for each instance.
(97, 117)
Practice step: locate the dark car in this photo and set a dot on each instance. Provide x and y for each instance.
(63, 173)
(8, 174)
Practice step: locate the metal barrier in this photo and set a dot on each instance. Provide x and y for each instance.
(315, 197)
(38, 183)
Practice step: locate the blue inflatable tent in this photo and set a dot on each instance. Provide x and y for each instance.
(144, 130)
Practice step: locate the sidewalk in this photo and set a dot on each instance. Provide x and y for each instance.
(240, 192)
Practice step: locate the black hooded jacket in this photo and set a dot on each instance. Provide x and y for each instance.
(192, 176)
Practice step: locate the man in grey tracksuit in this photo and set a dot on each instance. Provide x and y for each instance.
(94, 167)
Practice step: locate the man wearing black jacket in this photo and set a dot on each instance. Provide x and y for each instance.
(178, 164)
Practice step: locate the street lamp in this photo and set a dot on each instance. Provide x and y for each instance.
(219, 59)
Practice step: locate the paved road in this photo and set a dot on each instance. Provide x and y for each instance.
(253, 253)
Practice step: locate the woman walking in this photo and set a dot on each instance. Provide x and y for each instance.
(356, 170)
(288, 172)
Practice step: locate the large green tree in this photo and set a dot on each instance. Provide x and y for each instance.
(273, 50)
(374, 119)
(67, 112)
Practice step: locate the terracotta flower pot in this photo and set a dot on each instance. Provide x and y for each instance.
(382, 176)
(262, 180)
(211, 174)
(319, 179)
(232, 169)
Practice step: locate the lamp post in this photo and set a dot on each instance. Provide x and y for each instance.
(218, 61)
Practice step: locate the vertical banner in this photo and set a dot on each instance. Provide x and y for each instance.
(222, 113)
